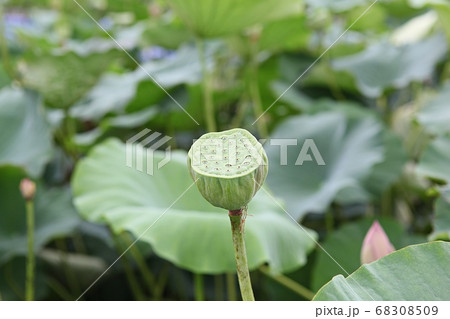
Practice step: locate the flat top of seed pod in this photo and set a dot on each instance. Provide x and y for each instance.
(227, 154)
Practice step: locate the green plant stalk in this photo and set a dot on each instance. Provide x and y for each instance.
(68, 271)
(289, 283)
(329, 220)
(59, 289)
(131, 278)
(237, 229)
(387, 202)
(161, 284)
(142, 265)
(383, 106)
(4, 48)
(11, 282)
(69, 135)
(218, 287)
(207, 90)
(29, 283)
(238, 118)
(78, 244)
(199, 287)
(332, 82)
(254, 91)
(231, 287)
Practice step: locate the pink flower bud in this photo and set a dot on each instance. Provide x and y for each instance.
(376, 244)
(27, 188)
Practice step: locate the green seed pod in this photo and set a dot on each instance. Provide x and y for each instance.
(228, 167)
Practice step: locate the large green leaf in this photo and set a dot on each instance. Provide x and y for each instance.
(286, 34)
(386, 172)
(54, 214)
(25, 136)
(64, 79)
(382, 174)
(441, 219)
(435, 160)
(167, 35)
(350, 147)
(418, 272)
(336, 5)
(192, 234)
(383, 65)
(114, 92)
(213, 18)
(435, 116)
(344, 245)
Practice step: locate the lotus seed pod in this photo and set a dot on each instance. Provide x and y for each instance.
(228, 167)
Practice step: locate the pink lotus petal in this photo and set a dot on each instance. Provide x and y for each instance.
(376, 244)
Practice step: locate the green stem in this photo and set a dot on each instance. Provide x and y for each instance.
(218, 287)
(142, 265)
(68, 271)
(387, 203)
(231, 287)
(383, 106)
(4, 48)
(289, 283)
(207, 90)
(332, 81)
(29, 286)
(59, 289)
(69, 135)
(238, 118)
(199, 287)
(329, 220)
(132, 280)
(78, 244)
(163, 277)
(254, 91)
(11, 282)
(237, 229)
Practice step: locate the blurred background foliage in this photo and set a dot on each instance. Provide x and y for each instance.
(374, 100)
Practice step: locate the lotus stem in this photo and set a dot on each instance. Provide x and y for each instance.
(254, 90)
(206, 88)
(289, 283)
(237, 229)
(199, 287)
(231, 287)
(218, 287)
(133, 282)
(29, 283)
(142, 265)
(4, 47)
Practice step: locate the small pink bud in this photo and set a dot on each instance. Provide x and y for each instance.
(27, 188)
(376, 244)
(154, 10)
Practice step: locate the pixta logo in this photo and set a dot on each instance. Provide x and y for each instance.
(140, 150)
(304, 156)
